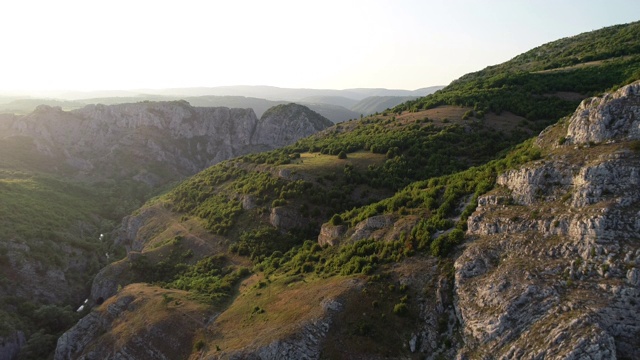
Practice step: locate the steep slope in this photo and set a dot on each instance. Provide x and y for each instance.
(552, 266)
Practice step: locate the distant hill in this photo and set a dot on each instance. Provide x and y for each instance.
(333, 100)
(277, 93)
(390, 92)
(263, 92)
(375, 104)
(335, 105)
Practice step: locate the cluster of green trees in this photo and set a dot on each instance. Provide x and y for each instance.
(211, 277)
(436, 200)
(42, 324)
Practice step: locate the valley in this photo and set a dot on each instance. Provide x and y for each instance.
(494, 218)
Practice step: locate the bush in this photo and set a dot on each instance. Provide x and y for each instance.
(199, 345)
(336, 220)
(342, 155)
(401, 309)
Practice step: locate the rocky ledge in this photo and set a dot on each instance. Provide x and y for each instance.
(552, 268)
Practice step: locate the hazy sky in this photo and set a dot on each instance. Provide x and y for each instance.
(404, 44)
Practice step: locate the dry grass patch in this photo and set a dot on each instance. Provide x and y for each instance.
(152, 316)
(446, 113)
(162, 228)
(269, 311)
(319, 164)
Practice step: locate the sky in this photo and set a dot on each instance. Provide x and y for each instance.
(398, 44)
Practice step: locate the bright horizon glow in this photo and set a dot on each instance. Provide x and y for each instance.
(401, 44)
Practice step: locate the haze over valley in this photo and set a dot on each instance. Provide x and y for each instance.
(415, 181)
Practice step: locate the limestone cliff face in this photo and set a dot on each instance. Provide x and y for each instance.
(10, 345)
(613, 117)
(552, 269)
(154, 142)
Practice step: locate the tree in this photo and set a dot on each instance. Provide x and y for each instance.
(336, 220)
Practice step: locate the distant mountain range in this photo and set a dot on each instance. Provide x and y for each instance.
(336, 105)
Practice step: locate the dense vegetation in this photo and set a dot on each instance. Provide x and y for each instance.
(436, 201)
(47, 222)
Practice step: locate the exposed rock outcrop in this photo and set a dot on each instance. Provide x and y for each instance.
(551, 272)
(613, 116)
(283, 217)
(331, 234)
(284, 124)
(155, 339)
(10, 345)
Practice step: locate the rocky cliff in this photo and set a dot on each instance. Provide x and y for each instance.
(154, 142)
(551, 267)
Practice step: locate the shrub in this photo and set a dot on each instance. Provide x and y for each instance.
(342, 155)
(400, 309)
(199, 345)
(336, 220)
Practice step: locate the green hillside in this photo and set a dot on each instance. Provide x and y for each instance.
(547, 82)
